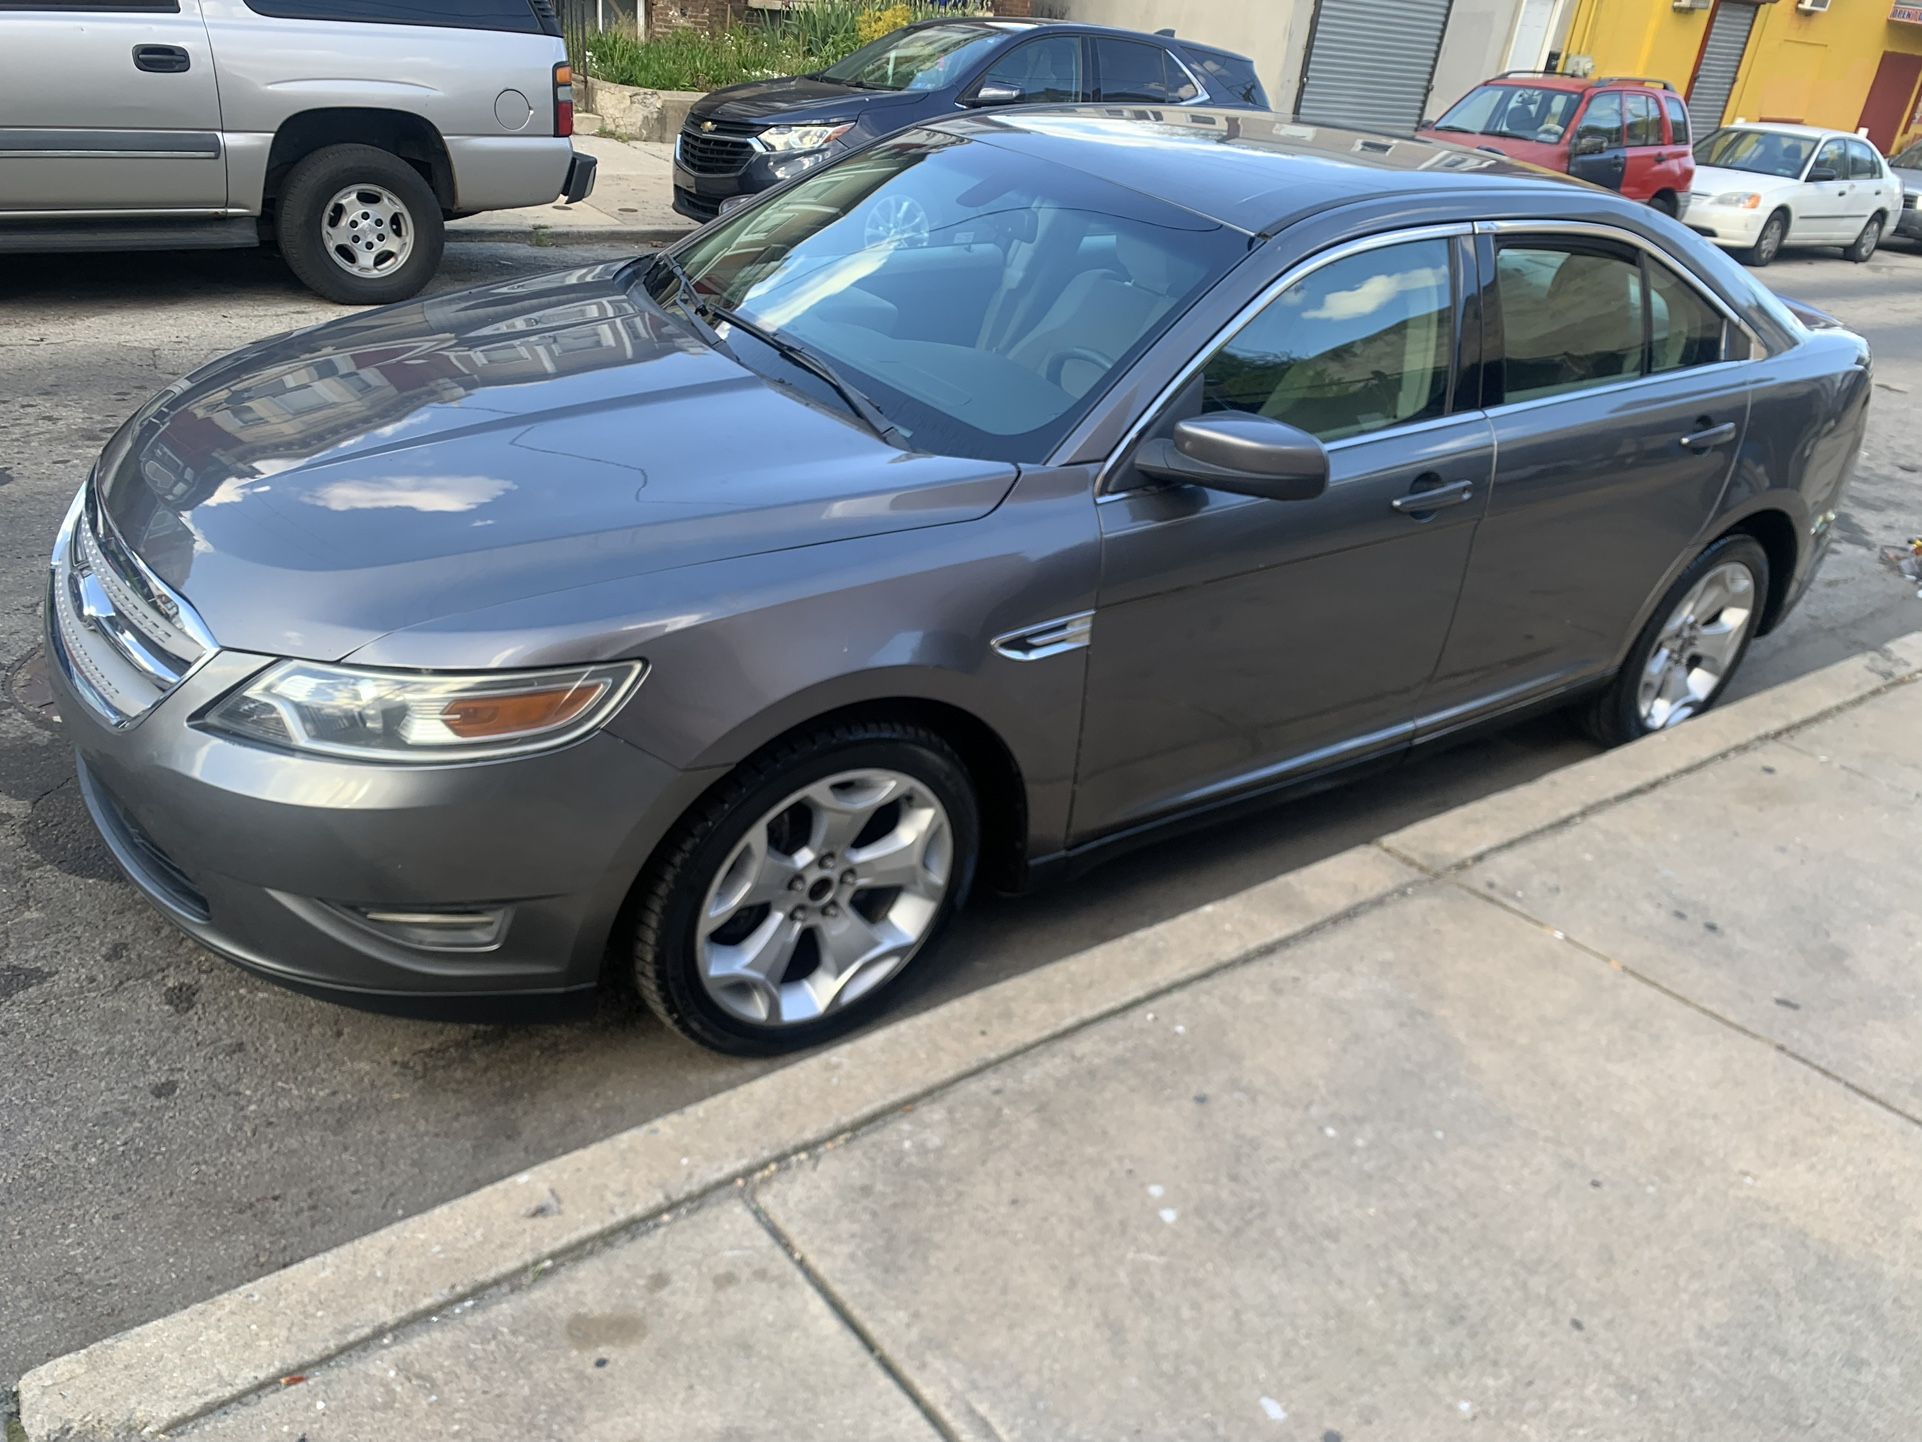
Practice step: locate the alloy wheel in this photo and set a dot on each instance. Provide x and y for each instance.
(1697, 647)
(367, 230)
(824, 897)
(1771, 241)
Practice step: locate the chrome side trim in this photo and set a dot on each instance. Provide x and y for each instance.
(1050, 638)
(1242, 318)
(1598, 231)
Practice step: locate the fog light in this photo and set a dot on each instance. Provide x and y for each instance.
(466, 928)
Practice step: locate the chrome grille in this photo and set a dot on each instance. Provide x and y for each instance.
(714, 154)
(124, 640)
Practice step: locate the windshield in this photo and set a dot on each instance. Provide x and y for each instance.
(927, 58)
(1762, 152)
(981, 300)
(1519, 112)
(1910, 159)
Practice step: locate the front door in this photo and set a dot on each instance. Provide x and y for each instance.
(1620, 401)
(1597, 153)
(1240, 641)
(108, 106)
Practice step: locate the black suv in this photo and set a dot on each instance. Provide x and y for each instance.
(748, 137)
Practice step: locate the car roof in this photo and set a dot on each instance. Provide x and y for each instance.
(1251, 169)
(1811, 132)
(1089, 27)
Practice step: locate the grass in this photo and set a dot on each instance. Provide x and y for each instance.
(795, 41)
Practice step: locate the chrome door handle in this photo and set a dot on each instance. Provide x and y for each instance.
(1713, 436)
(1434, 498)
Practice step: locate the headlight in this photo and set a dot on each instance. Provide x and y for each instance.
(1740, 199)
(803, 137)
(421, 717)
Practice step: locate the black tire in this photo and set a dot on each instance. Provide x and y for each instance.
(1768, 245)
(671, 892)
(1612, 716)
(1664, 201)
(1863, 246)
(312, 185)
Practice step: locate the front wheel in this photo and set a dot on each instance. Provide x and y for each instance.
(1768, 244)
(1864, 244)
(792, 900)
(359, 225)
(1685, 656)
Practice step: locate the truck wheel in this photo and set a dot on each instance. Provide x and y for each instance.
(359, 225)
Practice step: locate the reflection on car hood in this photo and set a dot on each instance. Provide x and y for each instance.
(796, 98)
(1719, 180)
(314, 491)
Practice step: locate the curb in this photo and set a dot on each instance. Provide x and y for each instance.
(182, 1367)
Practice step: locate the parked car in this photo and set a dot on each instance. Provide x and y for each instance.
(343, 131)
(745, 138)
(1907, 167)
(1761, 187)
(1624, 133)
(720, 616)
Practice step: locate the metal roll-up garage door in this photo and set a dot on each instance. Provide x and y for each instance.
(1370, 63)
(1721, 58)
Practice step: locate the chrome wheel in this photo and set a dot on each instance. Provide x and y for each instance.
(825, 897)
(367, 230)
(1697, 647)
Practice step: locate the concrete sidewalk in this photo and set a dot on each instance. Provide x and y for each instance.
(633, 200)
(1589, 1109)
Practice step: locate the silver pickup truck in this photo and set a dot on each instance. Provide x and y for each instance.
(344, 131)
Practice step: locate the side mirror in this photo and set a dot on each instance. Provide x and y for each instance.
(1247, 455)
(996, 95)
(1590, 144)
(1822, 175)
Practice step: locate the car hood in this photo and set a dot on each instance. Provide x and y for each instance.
(314, 491)
(1535, 152)
(793, 99)
(1719, 180)
(1909, 179)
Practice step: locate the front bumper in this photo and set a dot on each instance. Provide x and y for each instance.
(1908, 220)
(1728, 225)
(267, 857)
(699, 195)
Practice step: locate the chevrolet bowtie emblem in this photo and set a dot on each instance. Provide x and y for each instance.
(707, 125)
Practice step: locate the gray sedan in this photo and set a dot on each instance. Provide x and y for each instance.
(1006, 492)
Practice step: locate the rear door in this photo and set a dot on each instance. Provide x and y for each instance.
(1645, 150)
(1619, 398)
(1597, 153)
(1131, 72)
(1873, 195)
(108, 105)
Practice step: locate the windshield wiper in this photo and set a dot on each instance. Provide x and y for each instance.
(865, 409)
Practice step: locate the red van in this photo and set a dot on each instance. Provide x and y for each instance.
(1628, 134)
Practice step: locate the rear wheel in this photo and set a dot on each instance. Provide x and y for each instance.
(359, 225)
(1686, 654)
(1768, 244)
(790, 902)
(1664, 201)
(1864, 244)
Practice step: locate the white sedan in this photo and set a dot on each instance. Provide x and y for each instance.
(1758, 188)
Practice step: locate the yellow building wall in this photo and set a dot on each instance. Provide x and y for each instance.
(1816, 69)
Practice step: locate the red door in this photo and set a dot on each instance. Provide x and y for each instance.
(1886, 110)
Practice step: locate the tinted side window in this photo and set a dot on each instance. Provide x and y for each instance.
(1571, 318)
(1683, 329)
(1862, 164)
(1834, 155)
(515, 15)
(1644, 124)
(1228, 77)
(1363, 343)
(1041, 69)
(1602, 121)
(1132, 71)
(1677, 118)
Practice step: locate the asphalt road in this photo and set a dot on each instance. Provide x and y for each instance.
(170, 1127)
